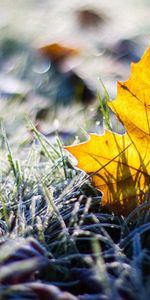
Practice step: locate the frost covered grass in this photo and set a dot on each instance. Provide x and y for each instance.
(54, 231)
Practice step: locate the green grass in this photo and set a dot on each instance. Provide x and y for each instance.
(53, 229)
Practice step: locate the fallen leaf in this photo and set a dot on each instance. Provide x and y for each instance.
(57, 52)
(88, 18)
(119, 165)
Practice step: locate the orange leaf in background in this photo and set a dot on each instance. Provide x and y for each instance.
(120, 164)
(56, 51)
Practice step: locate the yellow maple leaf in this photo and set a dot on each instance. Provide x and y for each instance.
(119, 165)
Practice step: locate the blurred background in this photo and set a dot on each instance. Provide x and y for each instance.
(57, 56)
